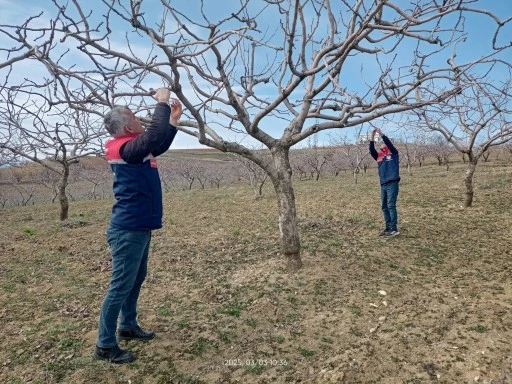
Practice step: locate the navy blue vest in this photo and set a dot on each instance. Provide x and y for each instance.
(137, 190)
(389, 167)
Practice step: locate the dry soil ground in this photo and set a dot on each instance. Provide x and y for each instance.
(432, 305)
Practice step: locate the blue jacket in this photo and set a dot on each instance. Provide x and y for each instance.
(388, 162)
(137, 187)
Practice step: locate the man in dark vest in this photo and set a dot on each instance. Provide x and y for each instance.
(131, 153)
(389, 174)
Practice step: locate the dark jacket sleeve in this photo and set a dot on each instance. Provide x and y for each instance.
(155, 140)
(373, 151)
(389, 144)
(166, 143)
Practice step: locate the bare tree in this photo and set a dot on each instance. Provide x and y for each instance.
(193, 171)
(253, 173)
(23, 185)
(98, 175)
(353, 155)
(7, 158)
(421, 147)
(3, 199)
(53, 136)
(215, 177)
(299, 165)
(247, 77)
(50, 180)
(190, 171)
(167, 174)
(409, 150)
(441, 150)
(486, 154)
(508, 147)
(313, 158)
(198, 168)
(476, 119)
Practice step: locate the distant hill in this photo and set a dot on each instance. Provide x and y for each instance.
(207, 154)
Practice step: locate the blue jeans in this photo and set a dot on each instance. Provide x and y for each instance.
(130, 251)
(389, 194)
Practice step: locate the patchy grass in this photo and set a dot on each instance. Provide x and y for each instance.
(226, 311)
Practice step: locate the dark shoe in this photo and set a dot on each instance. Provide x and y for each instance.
(384, 232)
(135, 334)
(114, 355)
(392, 233)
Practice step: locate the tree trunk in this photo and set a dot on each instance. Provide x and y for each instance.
(354, 173)
(260, 190)
(288, 226)
(468, 181)
(63, 199)
(254, 185)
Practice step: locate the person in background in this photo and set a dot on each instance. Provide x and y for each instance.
(131, 153)
(389, 174)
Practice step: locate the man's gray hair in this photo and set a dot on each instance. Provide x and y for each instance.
(115, 120)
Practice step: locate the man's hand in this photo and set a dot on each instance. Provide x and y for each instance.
(162, 95)
(176, 111)
(379, 132)
(372, 135)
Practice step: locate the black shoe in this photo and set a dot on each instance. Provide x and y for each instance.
(114, 355)
(135, 334)
(384, 232)
(392, 233)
